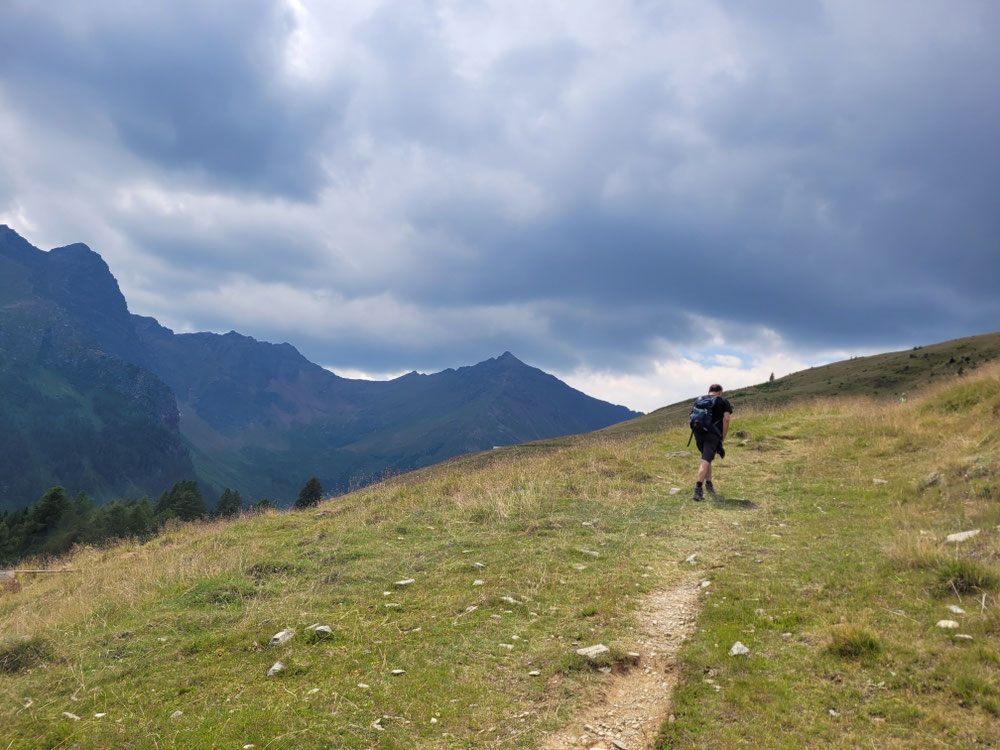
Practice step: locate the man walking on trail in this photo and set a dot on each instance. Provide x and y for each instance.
(709, 432)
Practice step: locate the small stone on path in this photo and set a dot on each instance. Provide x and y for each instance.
(961, 536)
(593, 651)
(283, 636)
(275, 668)
(947, 624)
(739, 649)
(534, 673)
(398, 672)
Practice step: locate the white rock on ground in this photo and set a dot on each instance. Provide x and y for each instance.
(964, 636)
(323, 631)
(674, 490)
(275, 668)
(283, 636)
(961, 536)
(478, 582)
(947, 624)
(176, 714)
(405, 582)
(398, 672)
(956, 610)
(593, 651)
(68, 715)
(739, 649)
(691, 558)
(880, 481)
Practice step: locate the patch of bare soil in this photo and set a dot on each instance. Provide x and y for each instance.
(633, 705)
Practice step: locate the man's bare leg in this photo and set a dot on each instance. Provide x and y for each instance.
(704, 471)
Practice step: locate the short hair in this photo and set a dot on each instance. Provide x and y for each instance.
(715, 388)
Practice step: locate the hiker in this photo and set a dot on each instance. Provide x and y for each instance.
(710, 417)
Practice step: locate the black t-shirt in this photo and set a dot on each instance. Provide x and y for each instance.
(719, 409)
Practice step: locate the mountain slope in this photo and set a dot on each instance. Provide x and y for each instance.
(71, 413)
(834, 582)
(259, 417)
(880, 376)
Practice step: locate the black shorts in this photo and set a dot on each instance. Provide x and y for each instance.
(709, 445)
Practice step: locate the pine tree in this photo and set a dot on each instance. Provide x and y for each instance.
(263, 504)
(6, 542)
(183, 501)
(771, 379)
(230, 504)
(310, 494)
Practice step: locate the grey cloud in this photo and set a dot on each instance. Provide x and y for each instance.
(835, 181)
(185, 85)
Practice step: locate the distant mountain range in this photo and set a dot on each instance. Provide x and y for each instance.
(99, 400)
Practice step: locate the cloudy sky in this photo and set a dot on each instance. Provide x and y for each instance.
(638, 196)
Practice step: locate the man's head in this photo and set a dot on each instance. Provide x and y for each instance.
(715, 388)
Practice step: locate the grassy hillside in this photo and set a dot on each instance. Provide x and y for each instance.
(827, 558)
(881, 376)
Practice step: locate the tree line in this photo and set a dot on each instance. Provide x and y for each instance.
(57, 522)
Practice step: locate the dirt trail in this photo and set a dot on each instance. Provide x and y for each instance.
(634, 704)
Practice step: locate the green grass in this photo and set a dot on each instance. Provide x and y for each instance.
(834, 582)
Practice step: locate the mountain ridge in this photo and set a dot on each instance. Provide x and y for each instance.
(261, 418)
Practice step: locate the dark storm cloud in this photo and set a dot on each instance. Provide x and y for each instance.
(196, 86)
(427, 184)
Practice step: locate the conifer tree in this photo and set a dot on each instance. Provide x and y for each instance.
(6, 542)
(310, 494)
(230, 504)
(183, 501)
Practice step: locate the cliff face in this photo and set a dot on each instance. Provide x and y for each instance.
(74, 412)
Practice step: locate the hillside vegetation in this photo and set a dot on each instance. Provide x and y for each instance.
(880, 376)
(827, 556)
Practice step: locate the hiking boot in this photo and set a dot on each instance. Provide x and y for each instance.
(710, 489)
(698, 494)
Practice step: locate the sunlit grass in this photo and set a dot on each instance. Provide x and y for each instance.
(826, 555)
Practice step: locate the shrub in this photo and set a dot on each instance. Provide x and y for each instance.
(21, 655)
(962, 576)
(851, 642)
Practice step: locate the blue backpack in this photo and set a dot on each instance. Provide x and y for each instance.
(701, 417)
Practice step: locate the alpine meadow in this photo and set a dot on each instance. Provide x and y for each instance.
(489, 375)
(444, 608)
